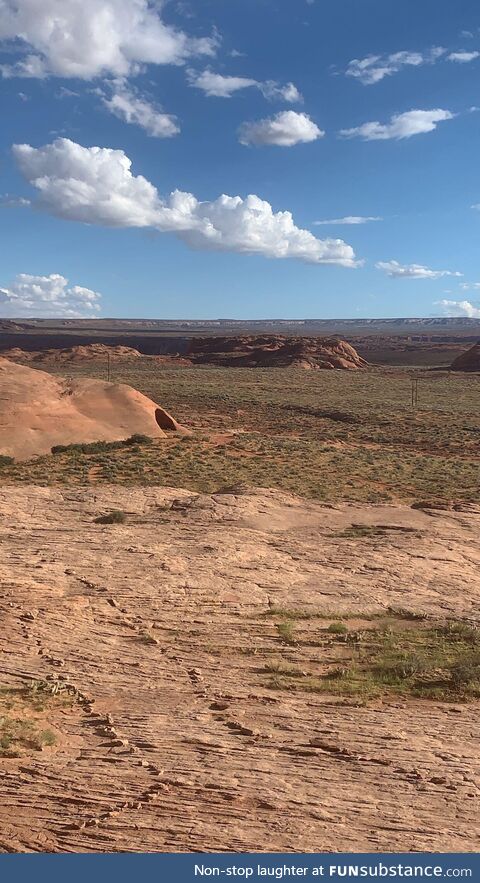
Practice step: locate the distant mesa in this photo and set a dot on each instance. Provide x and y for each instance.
(91, 352)
(249, 351)
(272, 351)
(468, 361)
(38, 411)
(7, 325)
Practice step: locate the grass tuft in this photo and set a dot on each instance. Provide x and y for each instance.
(286, 631)
(337, 628)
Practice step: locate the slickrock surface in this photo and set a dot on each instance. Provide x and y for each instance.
(38, 411)
(173, 741)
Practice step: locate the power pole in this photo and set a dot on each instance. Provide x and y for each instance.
(108, 367)
(414, 392)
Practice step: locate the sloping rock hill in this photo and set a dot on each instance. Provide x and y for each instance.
(276, 352)
(468, 361)
(8, 326)
(38, 411)
(91, 352)
(146, 651)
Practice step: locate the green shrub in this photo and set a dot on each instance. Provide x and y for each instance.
(286, 631)
(465, 672)
(87, 448)
(6, 461)
(99, 447)
(138, 439)
(399, 666)
(337, 628)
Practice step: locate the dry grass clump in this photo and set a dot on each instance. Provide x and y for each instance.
(387, 655)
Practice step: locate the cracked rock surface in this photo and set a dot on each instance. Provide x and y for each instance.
(157, 630)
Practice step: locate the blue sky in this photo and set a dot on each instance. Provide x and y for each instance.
(339, 112)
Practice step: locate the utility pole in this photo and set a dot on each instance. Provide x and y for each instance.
(414, 392)
(108, 367)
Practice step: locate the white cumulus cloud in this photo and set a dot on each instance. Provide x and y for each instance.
(285, 129)
(457, 308)
(95, 185)
(412, 271)
(463, 57)
(373, 68)
(218, 85)
(89, 38)
(126, 104)
(47, 296)
(401, 125)
(349, 220)
(276, 92)
(222, 86)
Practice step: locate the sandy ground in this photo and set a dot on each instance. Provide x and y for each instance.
(173, 741)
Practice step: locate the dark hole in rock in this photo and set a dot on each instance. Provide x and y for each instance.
(164, 420)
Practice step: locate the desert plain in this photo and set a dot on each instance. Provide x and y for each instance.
(257, 635)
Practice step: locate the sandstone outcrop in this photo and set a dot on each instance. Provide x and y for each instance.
(468, 361)
(91, 352)
(39, 410)
(271, 351)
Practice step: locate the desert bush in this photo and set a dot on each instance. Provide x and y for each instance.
(286, 631)
(399, 666)
(99, 447)
(138, 439)
(337, 628)
(460, 632)
(6, 461)
(114, 517)
(87, 448)
(465, 672)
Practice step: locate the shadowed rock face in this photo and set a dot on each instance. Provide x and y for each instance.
(276, 352)
(38, 411)
(468, 361)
